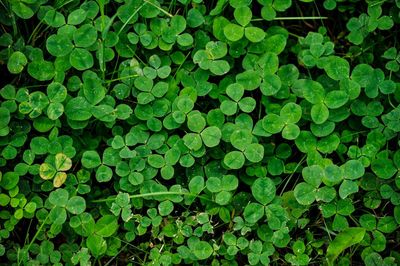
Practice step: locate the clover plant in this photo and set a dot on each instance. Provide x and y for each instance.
(192, 132)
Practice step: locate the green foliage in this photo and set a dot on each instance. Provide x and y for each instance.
(343, 240)
(192, 132)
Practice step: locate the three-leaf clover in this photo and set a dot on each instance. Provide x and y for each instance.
(263, 190)
(56, 169)
(235, 91)
(210, 58)
(234, 32)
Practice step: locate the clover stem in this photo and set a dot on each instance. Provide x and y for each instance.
(390, 101)
(62, 4)
(342, 159)
(34, 32)
(130, 18)
(377, 3)
(327, 230)
(179, 67)
(172, 5)
(300, 18)
(291, 175)
(152, 194)
(294, 35)
(101, 7)
(35, 236)
(319, 14)
(129, 244)
(159, 8)
(1, 2)
(125, 77)
(36, 86)
(138, 58)
(101, 48)
(14, 24)
(354, 220)
(27, 231)
(291, 18)
(113, 258)
(112, 73)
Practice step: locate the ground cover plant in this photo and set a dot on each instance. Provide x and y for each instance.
(191, 132)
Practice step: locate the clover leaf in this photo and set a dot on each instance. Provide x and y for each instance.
(337, 68)
(78, 109)
(16, 62)
(383, 168)
(59, 45)
(241, 138)
(41, 70)
(81, 59)
(253, 212)
(263, 190)
(233, 32)
(234, 159)
(91, 159)
(211, 136)
(254, 152)
(202, 250)
(85, 36)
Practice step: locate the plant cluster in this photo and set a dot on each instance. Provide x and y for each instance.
(224, 132)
